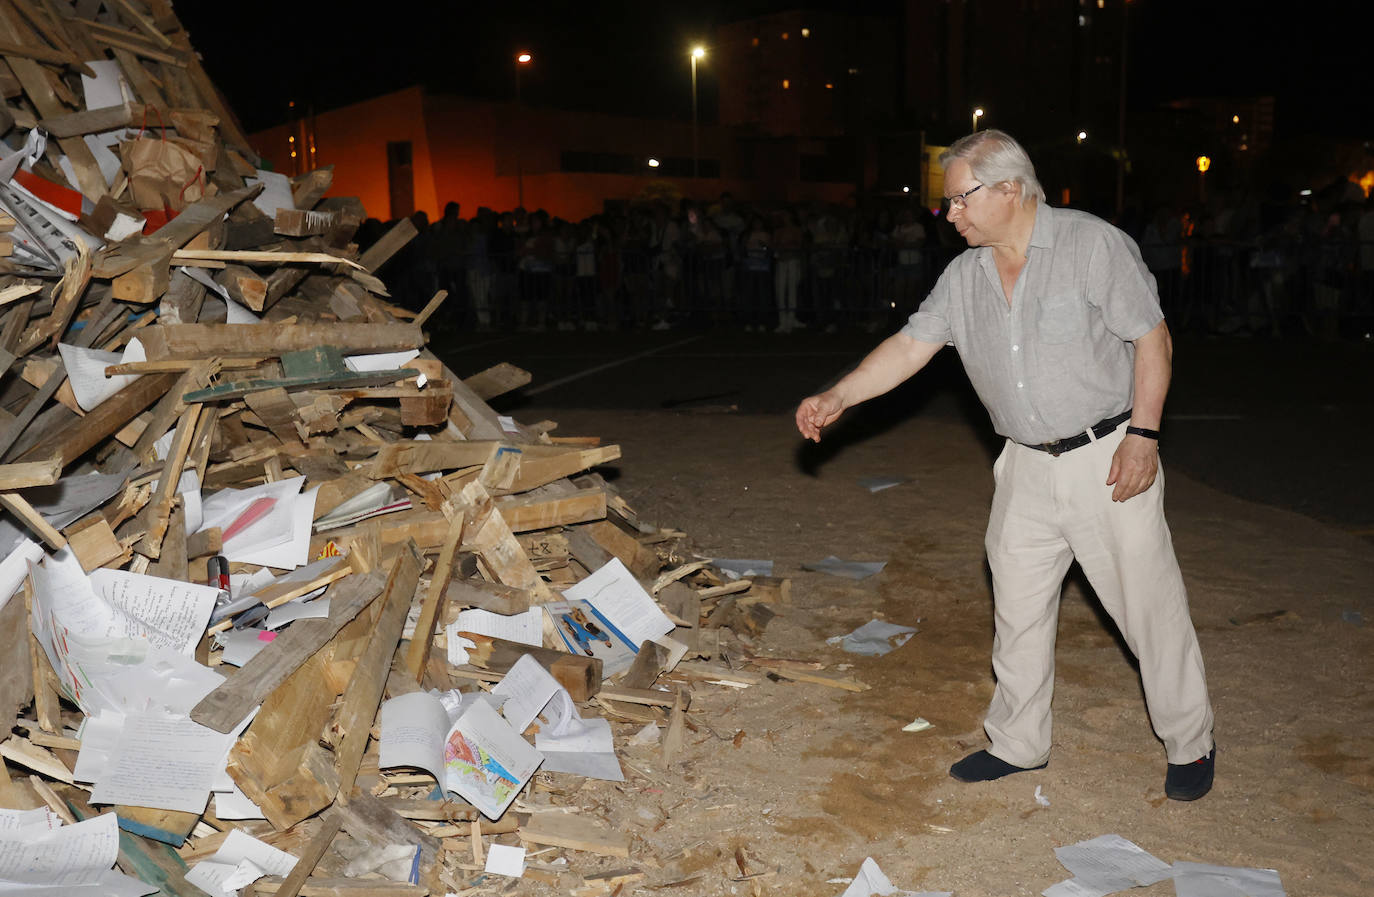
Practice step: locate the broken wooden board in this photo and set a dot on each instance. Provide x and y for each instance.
(574, 832)
(164, 341)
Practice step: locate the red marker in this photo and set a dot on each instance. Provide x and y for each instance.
(251, 515)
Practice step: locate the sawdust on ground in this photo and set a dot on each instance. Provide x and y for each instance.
(785, 786)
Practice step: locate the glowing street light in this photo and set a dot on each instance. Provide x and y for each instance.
(1203, 163)
(698, 53)
(1082, 136)
(977, 114)
(522, 59)
(653, 163)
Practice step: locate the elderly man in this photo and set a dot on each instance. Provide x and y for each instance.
(1059, 327)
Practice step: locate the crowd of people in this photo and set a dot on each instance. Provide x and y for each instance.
(1236, 264)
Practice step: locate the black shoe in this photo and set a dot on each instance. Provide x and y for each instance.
(984, 767)
(1189, 781)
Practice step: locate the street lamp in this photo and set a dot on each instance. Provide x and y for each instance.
(522, 59)
(1203, 163)
(1082, 136)
(698, 52)
(977, 114)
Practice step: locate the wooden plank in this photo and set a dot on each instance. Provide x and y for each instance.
(35, 404)
(93, 542)
(574, 832)
(578, 673)
(422, 641)
(543, 464)
(497, 598)
(192, 220)
(227, 705)
(364, 693)
(157, 513)
(89, 121)
(401, 233)
(495, 544)
(497, 380)
(19, 507)
(75, 439)
(164, 341)
(30, 473)
(307, 859)
(427, 457)
(524, 513)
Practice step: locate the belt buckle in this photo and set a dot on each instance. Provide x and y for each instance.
(1053, 448)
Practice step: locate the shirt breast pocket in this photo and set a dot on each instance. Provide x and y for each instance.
(1061, 319)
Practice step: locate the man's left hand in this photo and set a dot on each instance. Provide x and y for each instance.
(1133, 467)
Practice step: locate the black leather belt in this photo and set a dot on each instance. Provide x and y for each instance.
(1069, 443)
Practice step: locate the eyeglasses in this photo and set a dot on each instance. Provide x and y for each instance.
(960, 200)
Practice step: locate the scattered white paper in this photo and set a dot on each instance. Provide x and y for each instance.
(919, 724)
(76, 854)
(1205, 880)
(15, 567)
(276, 193)
(524, 691)
(572, 744)
(168, 612)
(163, 762)
(526, 628)
(848, 569)
(280, 538)
(874, 638)
(619, 597)
(502, 859)
(1104, 865)
(508, 424)
(23, 824)
(240, 861)
(108, 87)
(879, 483)
(305, 607)
(234, 804)
(738, 568)
(242, 645)
(871, 880)
(86, 371)
(1040, 797)
(381, 361)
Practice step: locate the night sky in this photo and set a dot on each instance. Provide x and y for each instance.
(630, 57)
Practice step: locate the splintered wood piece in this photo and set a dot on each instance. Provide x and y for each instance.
(422, 641)
(364, 692)
(524, 513)
(30, 473)
(18, 672)
(93, 542)
(34, 405)
(401, 233)
(307, 859)
(159, 509)
(501, 554)
(146, 282)
(427, 457)
(277, 412)
(227, 705)
(579, 674)
(544, 464)
(575, 832)
(492, 596)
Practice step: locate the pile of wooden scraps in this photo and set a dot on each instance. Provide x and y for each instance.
(271, 570)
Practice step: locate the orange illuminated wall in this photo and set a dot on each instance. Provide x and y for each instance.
(467, 151)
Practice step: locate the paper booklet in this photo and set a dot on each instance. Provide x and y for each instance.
(585, 630)
(480, 757)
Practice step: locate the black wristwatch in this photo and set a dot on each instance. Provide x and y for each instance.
(1141, 431)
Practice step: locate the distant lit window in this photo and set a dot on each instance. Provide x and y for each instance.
(1101, 4)
(806, 32)
(291, 140)
(756, 42)
(829, 86)
(786, 84)
(853, 71)
(293, 154)
(785, 35)
(1082, 20)
(1235, 119)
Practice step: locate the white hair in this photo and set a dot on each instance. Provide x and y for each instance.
(995, 157)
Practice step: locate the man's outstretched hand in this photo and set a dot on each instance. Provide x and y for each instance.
(815, 413)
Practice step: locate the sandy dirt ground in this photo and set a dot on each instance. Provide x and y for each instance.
(786, 786)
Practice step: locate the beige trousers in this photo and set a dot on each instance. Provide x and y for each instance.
(1046, 512)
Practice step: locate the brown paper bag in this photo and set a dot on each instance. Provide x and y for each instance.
(162, 175)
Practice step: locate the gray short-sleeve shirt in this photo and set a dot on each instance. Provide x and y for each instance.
(1060, 357)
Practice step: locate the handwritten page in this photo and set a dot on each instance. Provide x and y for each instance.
(86, 371)
(619, 597)
(162, 762)
(22, 824)
(526, 688)
(413, 728)
(173, 614)
(71, 855)
(486, 761)
(526, 628)
(1104, 865)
